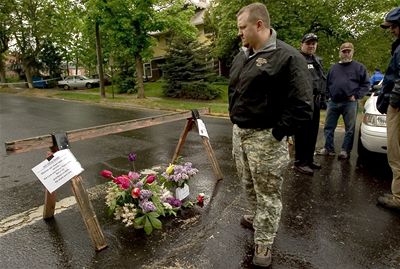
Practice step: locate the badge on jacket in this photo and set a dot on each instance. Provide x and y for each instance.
(261, 61)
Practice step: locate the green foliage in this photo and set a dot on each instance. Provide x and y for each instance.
(187, 71)
(51, 57)
(334, 21)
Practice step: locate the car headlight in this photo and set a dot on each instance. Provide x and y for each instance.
(375, 120)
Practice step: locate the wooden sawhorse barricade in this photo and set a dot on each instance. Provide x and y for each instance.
(61, 141)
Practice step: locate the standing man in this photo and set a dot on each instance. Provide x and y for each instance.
(391, 86)
(347, 82)
(306, 137)
(269, 95)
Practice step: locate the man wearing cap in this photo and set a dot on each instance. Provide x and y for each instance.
(306, 136)
(391, 87)
(347, 81)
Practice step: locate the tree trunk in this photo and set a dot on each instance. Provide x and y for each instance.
(139, 76)
(99, 55)
(28, 74)
(76, 65)
(2, 71)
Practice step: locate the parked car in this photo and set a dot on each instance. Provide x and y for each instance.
(372, 137)
(78, 82)
(39, 82)
(107, 78)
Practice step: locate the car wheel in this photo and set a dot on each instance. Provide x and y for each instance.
(66, 87)
(89, 85)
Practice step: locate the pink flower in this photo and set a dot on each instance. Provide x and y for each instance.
(123, 182)
(135, 192)
(150, 179)
(133, 175)
(106, 174)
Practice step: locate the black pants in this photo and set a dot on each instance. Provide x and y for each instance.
(305, 137)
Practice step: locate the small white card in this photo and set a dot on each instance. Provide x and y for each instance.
(182, 193)
(202, 128)
(58, 170)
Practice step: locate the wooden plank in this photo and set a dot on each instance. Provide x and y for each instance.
(212, 158)
(28, 144)
(88, 214)
(182, 139)
(49, 204)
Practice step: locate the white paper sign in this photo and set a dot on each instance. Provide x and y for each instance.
(182, 193)
(59, 170)
(202, 128)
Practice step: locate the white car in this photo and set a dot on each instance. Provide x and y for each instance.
(78, 82)
(373, 137)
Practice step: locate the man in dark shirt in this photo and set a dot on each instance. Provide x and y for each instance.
(347, 82)
(269, 97)
(306, 136)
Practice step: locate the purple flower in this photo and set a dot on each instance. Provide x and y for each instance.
(147, 206)
(139, 184)
(145, 194)
(132, 157)
(173, 201)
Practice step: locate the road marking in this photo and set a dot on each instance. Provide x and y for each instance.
(20, 220)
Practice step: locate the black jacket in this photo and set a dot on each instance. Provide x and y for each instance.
(314, 65)
(270, 89)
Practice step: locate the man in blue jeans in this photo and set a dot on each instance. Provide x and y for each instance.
(347, 82)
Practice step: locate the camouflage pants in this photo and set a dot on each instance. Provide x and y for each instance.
(260, 160)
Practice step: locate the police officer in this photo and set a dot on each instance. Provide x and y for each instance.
(306, 136)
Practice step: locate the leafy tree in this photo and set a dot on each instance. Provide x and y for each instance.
(128, 25)
(187, 70)
(5, 10)
(51, 58)
(334, 21)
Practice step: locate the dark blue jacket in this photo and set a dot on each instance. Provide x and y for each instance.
(347, 79)
(391, 82)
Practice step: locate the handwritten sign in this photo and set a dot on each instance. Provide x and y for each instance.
(202, 128)
(58, 170)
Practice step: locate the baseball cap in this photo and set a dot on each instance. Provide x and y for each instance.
(346, 46)
(392, 17)
(308, 37)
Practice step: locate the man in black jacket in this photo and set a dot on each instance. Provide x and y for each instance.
(306, 137)
(269, 97)
(391, 86)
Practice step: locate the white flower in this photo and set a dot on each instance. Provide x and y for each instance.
(167, 206)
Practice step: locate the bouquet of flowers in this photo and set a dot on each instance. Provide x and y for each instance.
(139, 199)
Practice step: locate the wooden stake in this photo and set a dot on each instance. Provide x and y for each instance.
(182, 138)
(49, 204)
(88, 215)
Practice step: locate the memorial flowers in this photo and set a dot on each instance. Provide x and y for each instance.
(140, 199)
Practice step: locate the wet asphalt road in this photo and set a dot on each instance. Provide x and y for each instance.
(329, 220)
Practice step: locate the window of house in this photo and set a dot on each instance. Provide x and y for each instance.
(147, 70)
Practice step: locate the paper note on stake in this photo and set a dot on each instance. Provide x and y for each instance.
(182, 193)
(58, 170)
(202, 128)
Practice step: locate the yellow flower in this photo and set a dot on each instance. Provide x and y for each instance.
(170, 169)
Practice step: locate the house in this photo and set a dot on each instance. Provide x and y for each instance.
(151, 69)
